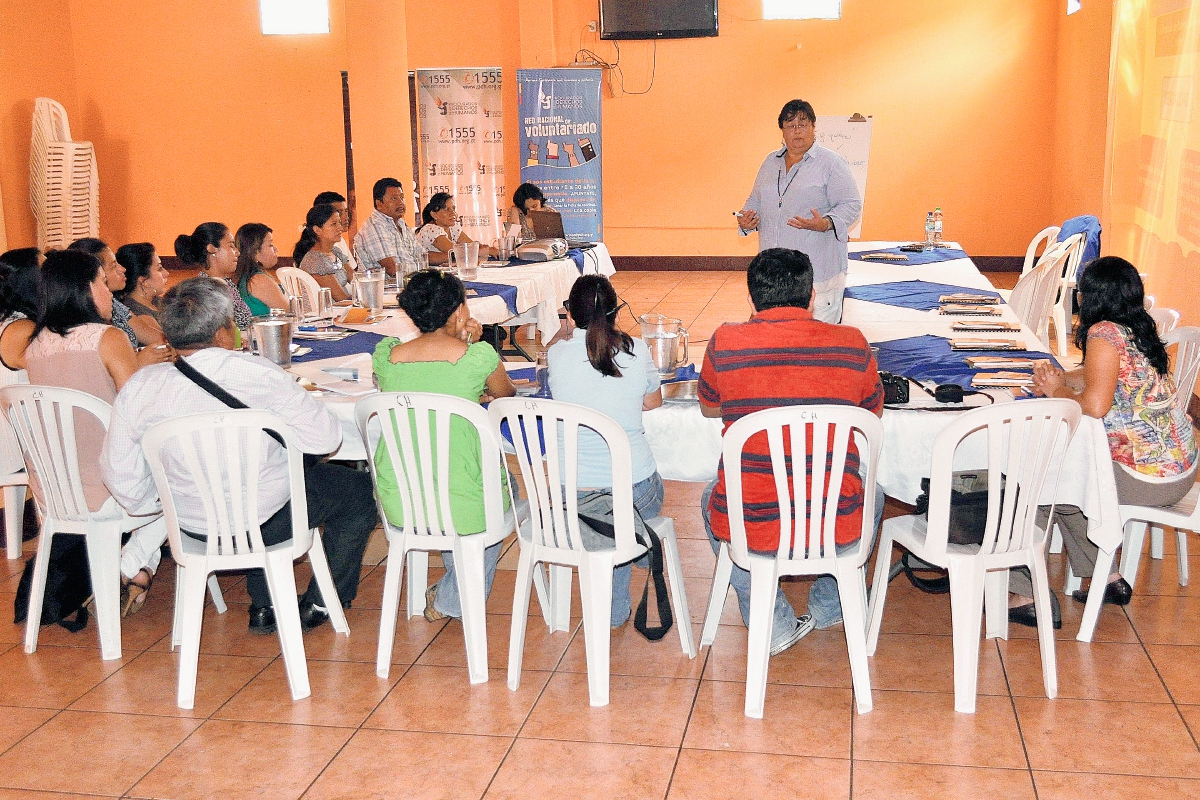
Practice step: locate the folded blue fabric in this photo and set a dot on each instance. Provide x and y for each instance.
(914, 258)
(929, 359)
(509, 293)
(687, 372)
(576, 255)
(523, 374)
(919, 295)
(355, 343)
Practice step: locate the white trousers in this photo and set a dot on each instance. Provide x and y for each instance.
(827, 299)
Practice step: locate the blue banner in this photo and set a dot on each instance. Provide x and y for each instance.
(559, 111)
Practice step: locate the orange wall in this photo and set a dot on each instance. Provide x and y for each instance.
(35, 61)
(956, 90)
(197, 116)
(1081, 111)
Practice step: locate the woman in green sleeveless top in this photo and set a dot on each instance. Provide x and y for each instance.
(256, 254)
(442, 360)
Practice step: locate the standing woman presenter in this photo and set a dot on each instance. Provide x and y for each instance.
(804, 198)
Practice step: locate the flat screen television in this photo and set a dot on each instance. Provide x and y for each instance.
(657, 19)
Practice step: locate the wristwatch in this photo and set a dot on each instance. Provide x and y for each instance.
(832, 226)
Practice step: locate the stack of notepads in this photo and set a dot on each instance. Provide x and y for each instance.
(1006, 374)
(967, 303)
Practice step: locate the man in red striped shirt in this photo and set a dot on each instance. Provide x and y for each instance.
(784, 357)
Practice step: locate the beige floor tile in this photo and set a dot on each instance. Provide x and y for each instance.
(402, 764)
(923, 663)
(543, 650)
(1177, 664)
(229, 759)
(1144, 738)
(1073, 785)
(344, 693)
(630, 653)
(149, 685)
(713, 775)
(440, 700)
(51, 677)
(719, 722)
(55, 758)
(987, 738)
(645, 711)
(880, 780)
(537, 768)
(1164, 620)
(819, 659)
(17, 723)
(1095, 671)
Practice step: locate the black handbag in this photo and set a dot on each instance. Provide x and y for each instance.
(968, 519)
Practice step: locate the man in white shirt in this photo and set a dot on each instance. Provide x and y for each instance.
(197, 319)
(385, 241)
(341, 249)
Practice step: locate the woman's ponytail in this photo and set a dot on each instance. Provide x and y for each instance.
(593, 306)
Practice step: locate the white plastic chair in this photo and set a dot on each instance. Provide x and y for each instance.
(1047, 236)
(1148, 302)
(806, 547)
(1033, 296)
(552, 535)
(1024, 439)
(196, 448)
(44, 419)
(298, 283)
(1167, 319)
(1063, 311)
(415, 429)
(14, 478)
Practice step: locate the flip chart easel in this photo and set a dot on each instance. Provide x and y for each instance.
(849, 137)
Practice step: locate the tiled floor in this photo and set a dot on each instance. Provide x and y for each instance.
(1124, 724)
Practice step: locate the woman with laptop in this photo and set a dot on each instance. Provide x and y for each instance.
(528, 197)
(441, 231)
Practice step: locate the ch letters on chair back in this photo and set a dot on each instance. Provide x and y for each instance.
(415, 426)
(807, 499)
(551, 481)
(1021, 449)
(45, 421)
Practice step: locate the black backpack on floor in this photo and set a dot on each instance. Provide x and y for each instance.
(68, 585)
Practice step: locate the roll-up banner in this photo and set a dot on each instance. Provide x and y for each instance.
(460, 128)
(560, 148)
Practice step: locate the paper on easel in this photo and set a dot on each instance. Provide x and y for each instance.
(849, 137)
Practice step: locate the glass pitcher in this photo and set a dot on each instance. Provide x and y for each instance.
(662, 336)
(464, 258)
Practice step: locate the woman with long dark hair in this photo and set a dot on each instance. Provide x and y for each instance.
(440, 229)
(602, 367)
(74, 346)
(1125, 381)
(256, 255)
(210, 249)
(314, 252)
(115, 275)
(145, 283)
(19, 277)
(443, 359)
(528, 197)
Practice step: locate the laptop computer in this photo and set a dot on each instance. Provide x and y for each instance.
(548, 224)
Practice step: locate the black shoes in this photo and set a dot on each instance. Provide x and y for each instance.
(262, 618)
(1117, 593)
(1027, 614)
(311, 614)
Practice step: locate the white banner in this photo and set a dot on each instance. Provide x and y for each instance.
(460, 127)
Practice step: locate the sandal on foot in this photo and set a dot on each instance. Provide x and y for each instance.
(431, 613)
(134, 593)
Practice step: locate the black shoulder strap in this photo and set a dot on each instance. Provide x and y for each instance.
(196, 377)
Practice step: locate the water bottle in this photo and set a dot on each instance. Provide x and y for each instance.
(542, 375)
(929, 229)
(937, 226)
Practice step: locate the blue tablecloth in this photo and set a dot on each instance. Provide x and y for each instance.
(914, 258)
(359, 342)
(929, 359)
(919, 295)
(509, 293)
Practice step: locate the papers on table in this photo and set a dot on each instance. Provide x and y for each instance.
(985, 344)
(1002, 380)
(999, 362)
(968, 309)
(984, 326)
(969, 298)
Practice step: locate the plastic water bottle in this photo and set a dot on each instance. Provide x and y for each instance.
(929, 229)
(937, 226)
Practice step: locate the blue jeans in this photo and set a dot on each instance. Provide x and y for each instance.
(446, 599)
(823, 602)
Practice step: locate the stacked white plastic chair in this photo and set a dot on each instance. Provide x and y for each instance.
(1024, 441)
(806, 546)
(1063, 304)
(1033, 296)
(1046, 236)
(553, 537)
(200, 446)
(1165, 319)
(64, 184)
(415, 430)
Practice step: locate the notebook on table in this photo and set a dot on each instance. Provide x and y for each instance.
(547, 224)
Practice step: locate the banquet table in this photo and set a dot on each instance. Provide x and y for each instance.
(541, 289)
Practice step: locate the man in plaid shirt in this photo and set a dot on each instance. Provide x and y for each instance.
(385, 241)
